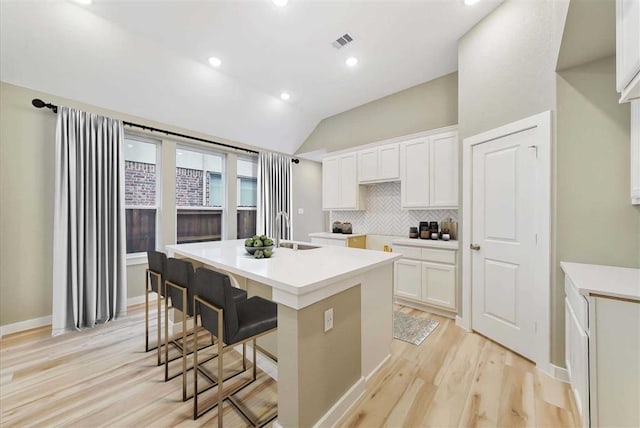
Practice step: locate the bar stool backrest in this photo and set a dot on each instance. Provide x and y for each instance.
(215, 288)
(157, 264)
(180, 272)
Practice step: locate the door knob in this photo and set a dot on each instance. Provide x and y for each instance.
(474, 247)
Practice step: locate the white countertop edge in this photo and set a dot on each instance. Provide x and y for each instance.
(426, 243)
(610, 281)
(295, 297)
(331, 235)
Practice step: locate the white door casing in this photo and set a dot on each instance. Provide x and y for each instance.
(506, 211)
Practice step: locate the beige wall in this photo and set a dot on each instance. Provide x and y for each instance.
(27, 137)
(430, 105)
(506, 65)
(307, 194)
(596, 222)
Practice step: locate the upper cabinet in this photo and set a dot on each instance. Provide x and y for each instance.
(426, 165)
(379, 164)
(628, 49)
(340, 189)
(429, 172)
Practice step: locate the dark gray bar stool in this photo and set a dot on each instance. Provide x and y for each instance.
(230, 322)
(154, 283)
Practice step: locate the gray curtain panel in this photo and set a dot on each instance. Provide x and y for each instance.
(274, 193)
(89, 274)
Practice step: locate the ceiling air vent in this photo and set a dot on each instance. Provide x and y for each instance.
(342, 41)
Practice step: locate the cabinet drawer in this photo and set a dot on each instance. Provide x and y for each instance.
(408, 252)
(440, 256)
(577, 302)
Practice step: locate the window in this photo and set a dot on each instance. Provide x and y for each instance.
(199, 195)
(141, 194)
(247, 197)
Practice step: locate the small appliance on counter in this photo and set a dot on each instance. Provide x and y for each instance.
(425, 233)
(337, 227)
(346, 228)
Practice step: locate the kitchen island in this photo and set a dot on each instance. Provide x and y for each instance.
(320, 374)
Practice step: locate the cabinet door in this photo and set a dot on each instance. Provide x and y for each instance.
(368, 165)
(348, 181)
(635, 152)
(408, 278)
(577, 359)
(331, 183)
(443, 164)
(414, 174)
(627, 42)
(439, 284)
(389, 162)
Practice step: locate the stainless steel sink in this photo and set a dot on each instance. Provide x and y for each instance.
(300, 246)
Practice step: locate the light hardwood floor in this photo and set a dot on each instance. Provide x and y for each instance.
(102, 377)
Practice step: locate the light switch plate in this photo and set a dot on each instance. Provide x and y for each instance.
(328, 320)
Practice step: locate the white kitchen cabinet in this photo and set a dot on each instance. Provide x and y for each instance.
(340, 189)
(429, 172)
(408, 279)
(426, 276)
(635, 152)
(438, 284)
(379, 164)
(414, 173)
(628, 49)
(339, 240)
(602, 343)
(443, 170)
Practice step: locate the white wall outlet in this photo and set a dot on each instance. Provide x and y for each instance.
(300, 211)
(328, 320)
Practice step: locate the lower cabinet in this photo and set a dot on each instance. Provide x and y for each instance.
(351, 241)
(423, 278)
(577, 358)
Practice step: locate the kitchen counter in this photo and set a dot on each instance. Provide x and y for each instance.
(321, 373)
(298, 278)
(609, 281)
(329, 235)
(427, 243)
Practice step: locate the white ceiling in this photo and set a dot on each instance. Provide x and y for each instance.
(149, 58)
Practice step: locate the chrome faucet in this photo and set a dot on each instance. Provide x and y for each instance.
(281, 214)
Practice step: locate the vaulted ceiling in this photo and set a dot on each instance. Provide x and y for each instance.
(150, 58)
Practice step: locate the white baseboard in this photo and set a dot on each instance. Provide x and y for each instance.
(25, 325)
(460, 323)
(424, 307)
(343, 405)
(264, 363)
(560, 373)
(370, 375)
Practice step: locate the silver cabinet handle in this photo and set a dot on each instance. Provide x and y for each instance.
(474, 247)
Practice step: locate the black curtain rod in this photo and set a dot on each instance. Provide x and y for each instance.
(38, 103)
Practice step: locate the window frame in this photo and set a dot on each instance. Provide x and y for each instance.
(223, 208)
(141, 256)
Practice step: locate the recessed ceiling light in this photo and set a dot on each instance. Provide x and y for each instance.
(215, 62)
(351, 61)
(285, 96)
(84, 2)
(470, 2)
(280, 3)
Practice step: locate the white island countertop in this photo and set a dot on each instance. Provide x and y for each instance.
(611, 281)
(298, 278)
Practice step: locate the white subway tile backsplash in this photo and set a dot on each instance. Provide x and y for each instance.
(383, 215)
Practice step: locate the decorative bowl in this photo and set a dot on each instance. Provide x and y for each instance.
(252, 250)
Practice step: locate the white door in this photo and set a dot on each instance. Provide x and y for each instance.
(503, 239)
(443, 162)
(414, 170)
(408, 279)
